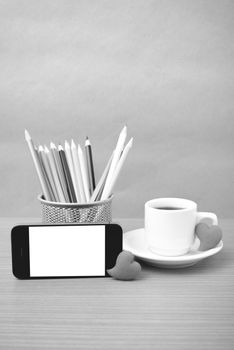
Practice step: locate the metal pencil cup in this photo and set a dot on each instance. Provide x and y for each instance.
(96, 212)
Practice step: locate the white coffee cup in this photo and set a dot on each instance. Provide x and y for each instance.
(170, 225)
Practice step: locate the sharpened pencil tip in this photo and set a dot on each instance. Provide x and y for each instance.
(87, 141)
(27, 135)
(52, 145)
(40, 148)
(130, 142)
(73, 143)
(60, 147)
(123, 132)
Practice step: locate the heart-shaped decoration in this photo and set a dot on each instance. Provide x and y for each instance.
(126, 268)
(209, 236)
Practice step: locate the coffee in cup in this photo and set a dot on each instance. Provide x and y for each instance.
(170, 225)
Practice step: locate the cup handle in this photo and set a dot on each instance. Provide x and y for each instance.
(207, 218)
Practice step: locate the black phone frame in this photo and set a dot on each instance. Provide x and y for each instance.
(20, 249)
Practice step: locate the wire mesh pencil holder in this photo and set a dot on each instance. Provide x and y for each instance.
(57, 213)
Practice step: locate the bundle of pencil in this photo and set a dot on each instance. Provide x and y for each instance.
(67, 175)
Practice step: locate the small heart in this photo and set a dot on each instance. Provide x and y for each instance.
(126, 268)
(209, 236)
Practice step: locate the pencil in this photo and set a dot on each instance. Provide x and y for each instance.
(46, 170)
(108, 190)
(78, 174)
(49, 172)
(37, 165)
(67, 175)
(59, 170)
(55, 175)
(101, 182)
(116, 157)
(84, 173)
(89, 162)
(72, 170)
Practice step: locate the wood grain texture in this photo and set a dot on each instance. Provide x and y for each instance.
(164, 309)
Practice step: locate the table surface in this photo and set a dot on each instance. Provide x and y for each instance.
(188, 308)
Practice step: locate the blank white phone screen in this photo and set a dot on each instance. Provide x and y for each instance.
(67, 251)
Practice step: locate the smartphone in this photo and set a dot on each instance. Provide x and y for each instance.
(64, 251)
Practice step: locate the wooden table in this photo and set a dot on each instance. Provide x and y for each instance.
(165, 309)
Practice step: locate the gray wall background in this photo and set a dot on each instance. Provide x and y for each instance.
(164, 68)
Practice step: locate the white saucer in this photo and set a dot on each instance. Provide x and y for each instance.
(134, 242)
